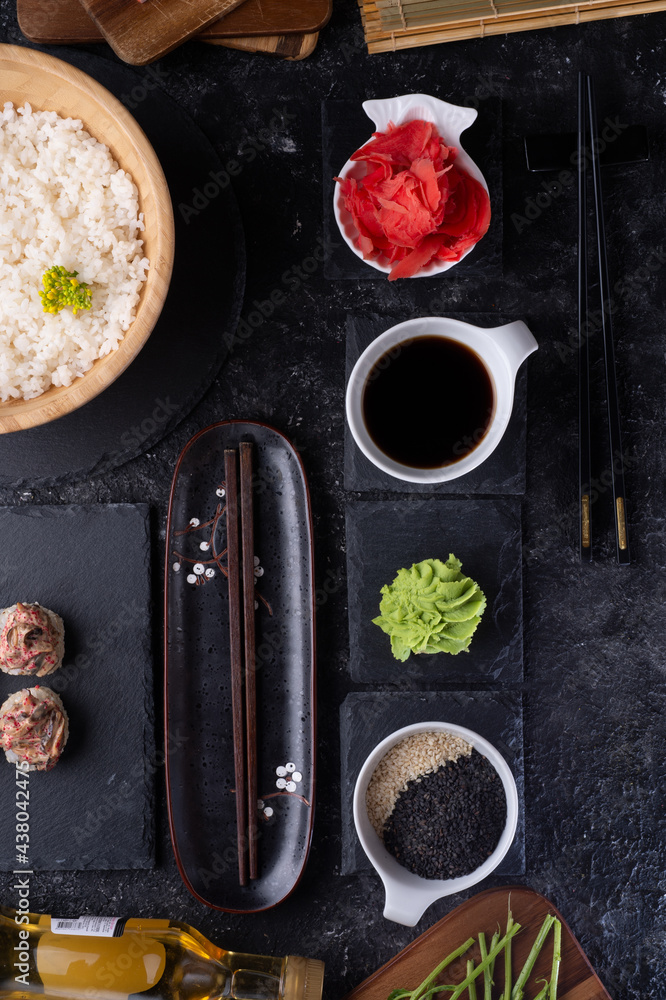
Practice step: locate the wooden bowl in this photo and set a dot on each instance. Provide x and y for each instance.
(48, 84)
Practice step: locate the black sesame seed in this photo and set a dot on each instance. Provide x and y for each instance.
(447, 823)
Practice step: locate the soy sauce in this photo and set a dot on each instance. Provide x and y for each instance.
(428, 402)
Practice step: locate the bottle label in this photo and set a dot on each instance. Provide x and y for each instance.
(88, 926)
(95, 967)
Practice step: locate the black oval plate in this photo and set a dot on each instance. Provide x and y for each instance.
(199, 741)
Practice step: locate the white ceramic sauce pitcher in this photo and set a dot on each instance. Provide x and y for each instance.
(407, 895)
(502, 350)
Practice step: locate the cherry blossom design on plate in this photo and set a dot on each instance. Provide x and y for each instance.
(287, 780)
(206, 560)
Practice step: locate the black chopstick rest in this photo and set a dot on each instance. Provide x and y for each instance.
(620, 145)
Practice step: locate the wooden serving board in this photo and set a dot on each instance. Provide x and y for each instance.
(65, 22)
(483, 912)
(139, 33)
(290, 47)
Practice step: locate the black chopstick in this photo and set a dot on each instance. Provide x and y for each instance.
(584, 451)
(235, 646)
(247, 545)
(614, 431)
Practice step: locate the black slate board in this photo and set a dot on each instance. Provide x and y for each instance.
(346, 127)
(92, 565)
(486, 535)
(172, 371)
(366, 718)
(503, 471)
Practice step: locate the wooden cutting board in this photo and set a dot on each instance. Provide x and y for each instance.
(290, 47)
(65, 22)
(139, 33)
(483, 912)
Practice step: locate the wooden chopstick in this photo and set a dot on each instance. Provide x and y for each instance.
(247, 540)
(614, 430)
(235, 645)
(584, 452)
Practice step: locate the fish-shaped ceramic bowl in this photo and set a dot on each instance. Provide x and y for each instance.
(451, 120)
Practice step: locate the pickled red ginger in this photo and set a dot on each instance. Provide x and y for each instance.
(415, 205)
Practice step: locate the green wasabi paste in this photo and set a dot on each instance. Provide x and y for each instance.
(430, 608)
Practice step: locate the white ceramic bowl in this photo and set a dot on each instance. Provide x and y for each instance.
(408, 895)
(451, 120)
(502, 350)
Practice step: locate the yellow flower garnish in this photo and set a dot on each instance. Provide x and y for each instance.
(61, 289)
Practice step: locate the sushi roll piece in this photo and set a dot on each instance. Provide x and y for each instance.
(32, 640)
(33, 728)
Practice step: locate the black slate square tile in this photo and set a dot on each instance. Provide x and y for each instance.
(90, 564)
(346, 127)
(503, 471)
(366, 718)
(485, 534)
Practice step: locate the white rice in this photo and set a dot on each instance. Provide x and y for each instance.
(63, 201)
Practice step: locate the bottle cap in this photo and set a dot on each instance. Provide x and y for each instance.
(303, 978)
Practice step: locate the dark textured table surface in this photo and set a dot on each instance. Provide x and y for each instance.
(594, 691)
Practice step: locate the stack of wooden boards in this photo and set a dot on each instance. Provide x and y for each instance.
(139, 33)
(403, 24)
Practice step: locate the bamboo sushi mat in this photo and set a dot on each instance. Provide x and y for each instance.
(403, 24)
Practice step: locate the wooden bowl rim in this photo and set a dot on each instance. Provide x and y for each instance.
(20, 414)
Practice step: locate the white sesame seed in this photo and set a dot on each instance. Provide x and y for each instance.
(408, 760)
